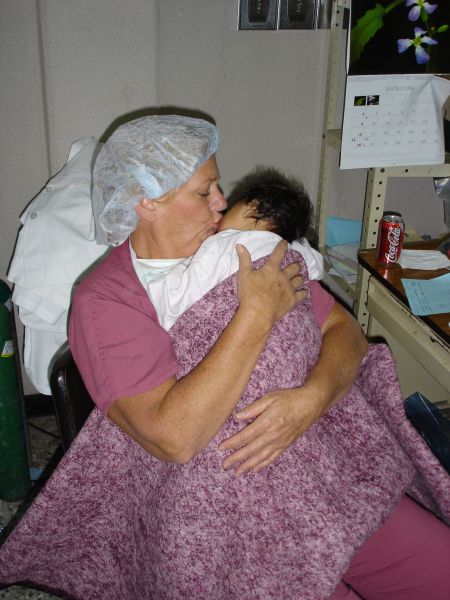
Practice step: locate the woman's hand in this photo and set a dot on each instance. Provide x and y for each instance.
(269, 292)
(279, 419)
(282, 416)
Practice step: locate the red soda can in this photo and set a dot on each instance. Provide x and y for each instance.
(390, 238)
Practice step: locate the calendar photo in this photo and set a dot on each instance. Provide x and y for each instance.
(399, 37)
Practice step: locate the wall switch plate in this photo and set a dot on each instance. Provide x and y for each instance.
(299, 14)
(258, 14)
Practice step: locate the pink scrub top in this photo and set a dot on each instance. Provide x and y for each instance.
(114, 334)
(322, 302)
(115, 337)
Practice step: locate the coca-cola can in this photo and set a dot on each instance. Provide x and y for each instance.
(390, 238)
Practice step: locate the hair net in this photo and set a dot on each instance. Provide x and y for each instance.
(145, 158)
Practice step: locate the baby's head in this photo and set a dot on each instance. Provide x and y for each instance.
(267, 200)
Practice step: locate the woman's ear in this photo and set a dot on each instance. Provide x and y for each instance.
(146, 210)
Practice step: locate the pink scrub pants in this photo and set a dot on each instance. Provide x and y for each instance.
(408, 558)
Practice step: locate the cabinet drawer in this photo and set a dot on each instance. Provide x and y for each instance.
(416, 337)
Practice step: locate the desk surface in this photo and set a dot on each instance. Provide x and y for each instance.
(391, 277)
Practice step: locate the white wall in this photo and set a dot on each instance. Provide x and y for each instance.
(23, 158)
(263, 88)
(68, 69)
(100, 62)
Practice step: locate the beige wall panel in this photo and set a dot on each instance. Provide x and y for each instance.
(264, 88)
(23, 153)
(100, 63)
(82, 64)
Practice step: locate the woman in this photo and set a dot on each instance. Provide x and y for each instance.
(157, 180)
(125, 520)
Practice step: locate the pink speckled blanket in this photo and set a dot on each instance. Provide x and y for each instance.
(114, 523)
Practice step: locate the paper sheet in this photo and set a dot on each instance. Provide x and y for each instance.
(346, 253)
(339, 269)
(427, 260)
(428, 297)
(392, 120)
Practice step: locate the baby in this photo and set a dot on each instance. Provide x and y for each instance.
(263, 208)
(266, 200)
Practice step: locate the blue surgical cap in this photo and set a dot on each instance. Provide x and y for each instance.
(145, 158)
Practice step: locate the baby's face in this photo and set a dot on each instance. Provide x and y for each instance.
(240, 216)
(235, 218)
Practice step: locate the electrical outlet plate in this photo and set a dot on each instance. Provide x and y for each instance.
(299, 14)
(258, 14)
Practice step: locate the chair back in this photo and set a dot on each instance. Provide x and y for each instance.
(71, 399)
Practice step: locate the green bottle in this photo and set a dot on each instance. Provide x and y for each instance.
(14, 468)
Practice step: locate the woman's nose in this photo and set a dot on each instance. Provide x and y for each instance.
(218, 202)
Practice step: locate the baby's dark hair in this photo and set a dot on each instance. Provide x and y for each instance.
(281, 200)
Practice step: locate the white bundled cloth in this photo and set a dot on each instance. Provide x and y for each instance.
(55, 246)
(174, 285)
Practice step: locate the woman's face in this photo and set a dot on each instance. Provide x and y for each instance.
(191, 213)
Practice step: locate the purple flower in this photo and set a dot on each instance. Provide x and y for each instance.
(414, 13)
(420, 38)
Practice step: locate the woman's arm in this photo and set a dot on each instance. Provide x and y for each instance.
(284, 415)
(175, 420)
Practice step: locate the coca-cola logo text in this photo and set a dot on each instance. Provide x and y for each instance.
(393, 237)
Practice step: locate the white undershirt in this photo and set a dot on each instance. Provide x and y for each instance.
(148, 269)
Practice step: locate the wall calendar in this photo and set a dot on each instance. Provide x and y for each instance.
(392, 120)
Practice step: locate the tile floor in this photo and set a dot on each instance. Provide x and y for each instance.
(44, 443)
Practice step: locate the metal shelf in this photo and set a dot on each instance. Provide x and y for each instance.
(369, 298)
(334, 138)
(377, 178)
(376, 187)
(332, 116)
